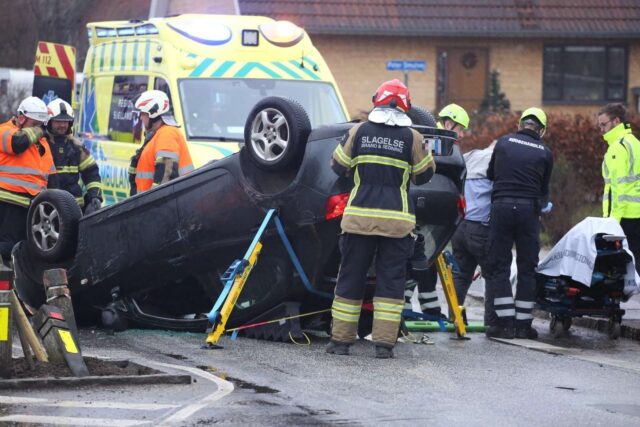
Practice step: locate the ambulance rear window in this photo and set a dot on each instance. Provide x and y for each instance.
(123, 124)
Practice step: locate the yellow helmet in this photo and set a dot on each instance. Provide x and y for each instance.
(455, 113)
(535, 112)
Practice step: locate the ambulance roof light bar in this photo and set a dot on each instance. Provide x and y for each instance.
(140, 30)
(202, 31)
(282, 33)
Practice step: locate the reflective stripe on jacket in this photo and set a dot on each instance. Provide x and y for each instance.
(382, 159)
(167, 142)
(621, 173)
(24, 175)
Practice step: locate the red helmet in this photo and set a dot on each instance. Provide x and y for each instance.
(393, 94)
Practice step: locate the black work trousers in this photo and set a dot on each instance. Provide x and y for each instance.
(631, 227)
(425, 275)
(513, 221)
(470, 244)
(13, 227)
(358, 251)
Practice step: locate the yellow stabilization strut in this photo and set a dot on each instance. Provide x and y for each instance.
(446, 278)
(241, 276)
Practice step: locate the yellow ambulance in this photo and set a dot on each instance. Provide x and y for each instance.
(214, 68)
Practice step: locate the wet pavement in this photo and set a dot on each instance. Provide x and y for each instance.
(582, 379)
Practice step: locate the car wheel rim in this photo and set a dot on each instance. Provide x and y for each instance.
(45, 226)
(270, 135)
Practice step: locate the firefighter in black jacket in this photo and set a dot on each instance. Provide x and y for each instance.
(382, 154)
(73, 161)
(520, 169)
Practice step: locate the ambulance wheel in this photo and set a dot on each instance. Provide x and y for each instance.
(52, 225)
(421, 117)
(613, 329)
(276, 133)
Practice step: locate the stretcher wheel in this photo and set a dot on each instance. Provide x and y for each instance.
(566, 323)
(556, 327)
(614, 329)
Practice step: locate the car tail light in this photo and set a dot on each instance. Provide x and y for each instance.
(572, 292)
(5, 285)
(336, 205)
(462, 206)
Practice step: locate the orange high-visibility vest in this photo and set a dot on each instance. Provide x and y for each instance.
(23, 175)
(167, 142)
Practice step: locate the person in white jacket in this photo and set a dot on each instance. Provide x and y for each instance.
(470, 242)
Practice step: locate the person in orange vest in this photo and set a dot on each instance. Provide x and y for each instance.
(26, 167)
(164, 154)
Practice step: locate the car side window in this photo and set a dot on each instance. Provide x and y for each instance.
(124, 125)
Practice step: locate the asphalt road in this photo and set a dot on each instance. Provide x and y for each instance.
(583, 379)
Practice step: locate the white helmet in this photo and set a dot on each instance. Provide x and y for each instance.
(34, 108)
(153, 102)
(59, 109)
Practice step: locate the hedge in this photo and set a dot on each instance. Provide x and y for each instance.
(578, 149)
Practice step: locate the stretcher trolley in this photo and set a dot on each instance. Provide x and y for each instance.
(588, 273)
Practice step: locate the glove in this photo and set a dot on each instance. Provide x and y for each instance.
(547, 208)
(94, 205)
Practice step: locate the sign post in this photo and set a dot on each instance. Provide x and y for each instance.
(406, 67)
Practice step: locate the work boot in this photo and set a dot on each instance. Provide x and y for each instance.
(528, 333)
(524, 330)
(384, 352)
(501, 329)
(340, 348)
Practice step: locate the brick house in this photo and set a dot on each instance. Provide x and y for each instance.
(562, 55)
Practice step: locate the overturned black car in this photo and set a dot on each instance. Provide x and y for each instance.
(157, 258)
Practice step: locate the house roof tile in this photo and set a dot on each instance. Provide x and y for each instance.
(458, 18)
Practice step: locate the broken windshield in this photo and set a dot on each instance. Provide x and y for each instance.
(217, 109)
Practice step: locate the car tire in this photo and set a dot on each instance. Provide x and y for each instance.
(276, 133)
(421, 117)
(52, 225)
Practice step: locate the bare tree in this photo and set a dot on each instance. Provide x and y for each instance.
(62, 21)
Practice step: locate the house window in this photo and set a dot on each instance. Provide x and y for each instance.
(585, 74)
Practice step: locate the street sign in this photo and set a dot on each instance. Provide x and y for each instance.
(405, 66)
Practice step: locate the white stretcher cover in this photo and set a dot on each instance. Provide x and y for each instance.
(575, 254)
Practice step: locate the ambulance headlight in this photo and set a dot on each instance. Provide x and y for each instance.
(282, 33)
(202, 31)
